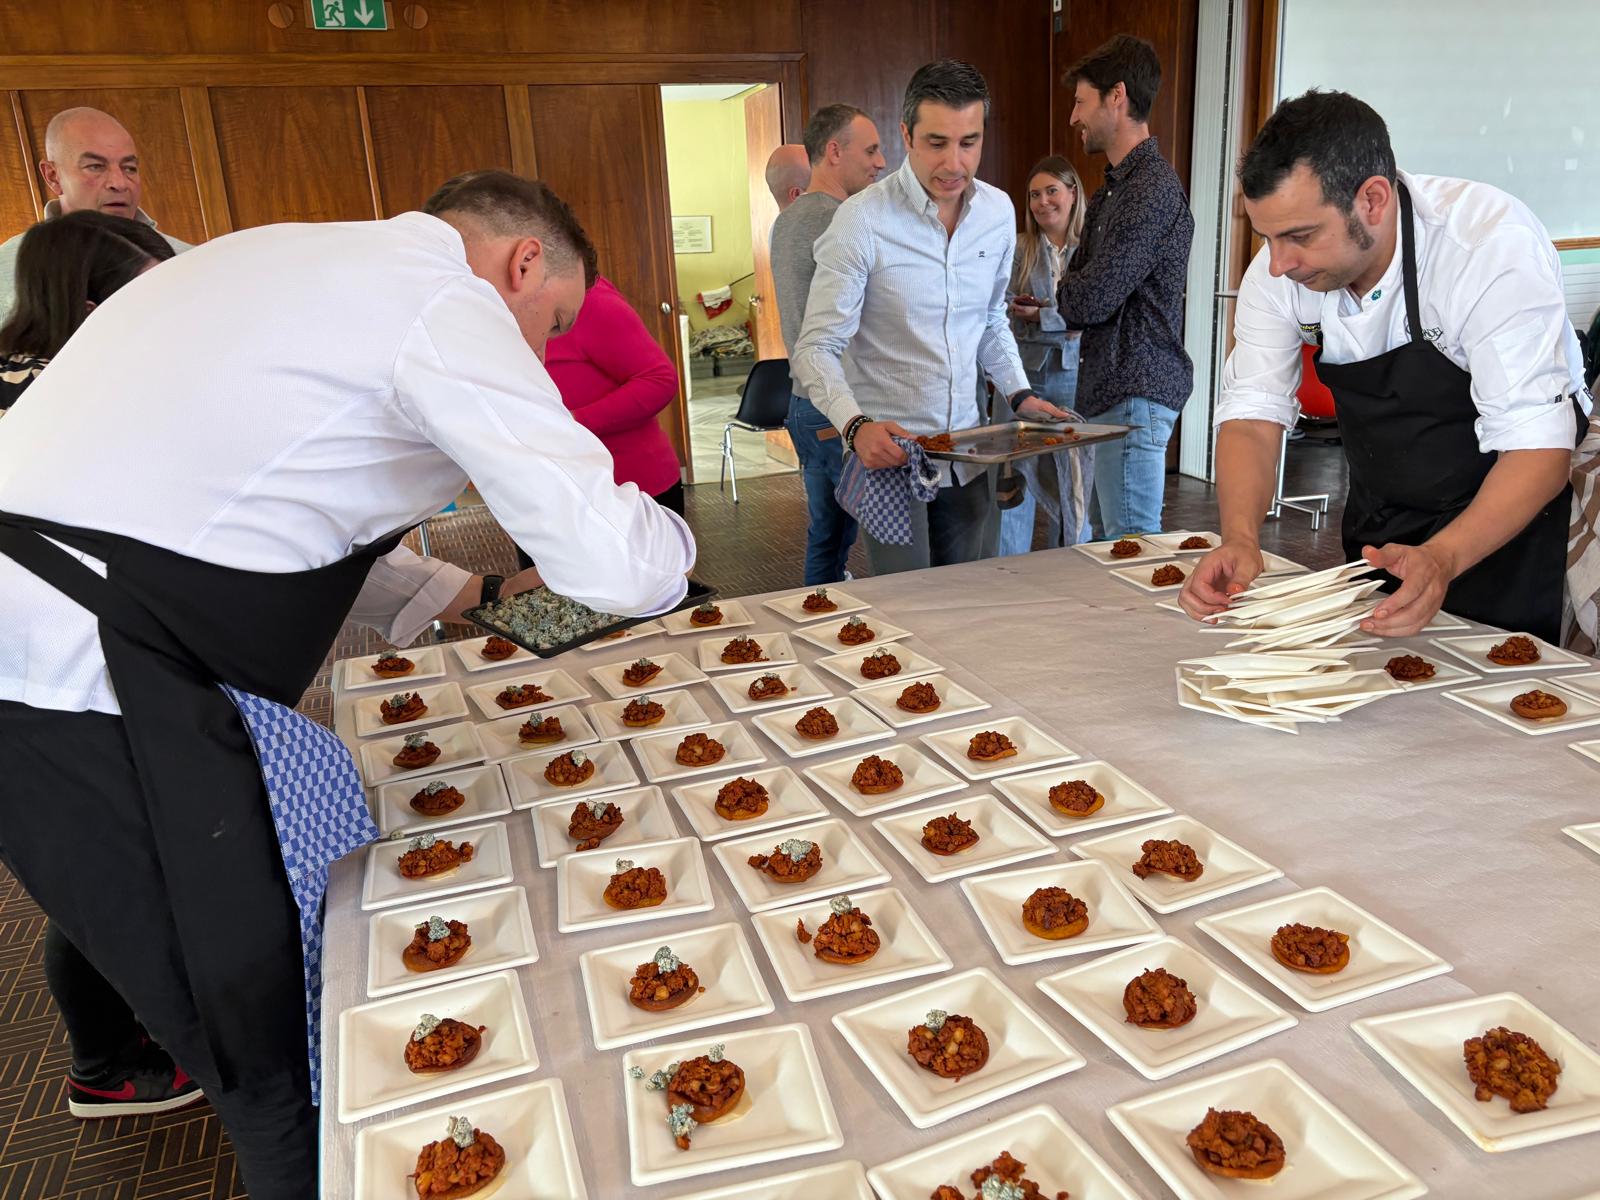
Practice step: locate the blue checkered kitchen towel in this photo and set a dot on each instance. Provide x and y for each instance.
(881, 498)
(320, 813)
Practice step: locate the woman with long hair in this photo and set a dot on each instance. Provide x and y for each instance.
(66, 266)
(1052, 223)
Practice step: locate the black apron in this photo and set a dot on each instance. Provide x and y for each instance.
(172, 628)
(1406, 418)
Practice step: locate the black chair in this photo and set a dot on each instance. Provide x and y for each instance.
(763, 405)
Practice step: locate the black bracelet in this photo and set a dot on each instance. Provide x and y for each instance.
(853, 427)
(491, 589)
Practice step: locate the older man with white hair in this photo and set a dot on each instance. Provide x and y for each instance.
(90, 162)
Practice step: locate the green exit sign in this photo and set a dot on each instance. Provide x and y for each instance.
(348, 14)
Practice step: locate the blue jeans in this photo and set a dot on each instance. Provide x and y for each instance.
(830, 531)
(1057, 382)
(1130, 474)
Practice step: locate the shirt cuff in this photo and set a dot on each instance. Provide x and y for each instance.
(1529, 427)
(1257, 406)
(419, 612)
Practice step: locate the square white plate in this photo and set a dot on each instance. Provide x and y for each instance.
(557, 684)
(633, 633)
(1315, 580)
(1125, 800)
(1424, 1045)
(501, 929)
(1473, 649)
(1445, 673)
(720, 956)
(530, 1121)
(1058, 1160)
(847, 865)
(1228, 1014)
(1229, 867)
(788, 801)
(372, 1037)
(1326, 1155)
(1003, 838)
(483, 787)
(1035, 748)
(1587, 682)
(857, 727)
(1295, 612)
(776, 647)
(1493, 700)
(658, 754)
(1381, 957)
(906, 946)
(1140, 574)
(954, 701)
(1115, 917)
(429, 660)
(924, 779)
(581, 883)
(459, 746)
(734, 616)
(684, 713)
(786, 1111)
(382, 885)
(792, 605)
(1023, 1050)
(612, 772)
(1101, 552)
(468, 652)
(825, 635)
(676, 671)
(1587, 836)
(501, 742)
(843, 1180)
(645, 819)
(804, 688)
(444, 701)
(1168, 543)
(847, 666)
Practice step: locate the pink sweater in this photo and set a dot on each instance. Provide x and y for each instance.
(616, 378)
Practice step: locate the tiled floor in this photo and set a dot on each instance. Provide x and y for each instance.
(715, 400)
(755, 546)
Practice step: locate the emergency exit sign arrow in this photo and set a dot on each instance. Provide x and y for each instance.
(349, 14)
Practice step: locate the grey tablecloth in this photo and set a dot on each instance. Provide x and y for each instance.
(1432, 817)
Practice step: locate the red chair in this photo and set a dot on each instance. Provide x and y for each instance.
(1316, 401)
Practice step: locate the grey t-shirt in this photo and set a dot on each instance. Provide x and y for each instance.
(794, 234)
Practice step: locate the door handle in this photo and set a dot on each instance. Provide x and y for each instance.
(666, 308)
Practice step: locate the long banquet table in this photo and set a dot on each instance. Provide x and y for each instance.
(1433, 818)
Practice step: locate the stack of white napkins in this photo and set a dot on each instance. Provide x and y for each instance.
(1292, 666)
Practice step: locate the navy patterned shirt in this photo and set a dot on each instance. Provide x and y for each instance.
(1124, 286)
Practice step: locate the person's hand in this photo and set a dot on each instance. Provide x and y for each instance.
(522, 581)
(875, 445)
(1424, 574)
(1024, 312)
(1219, 576)
(1040, 409)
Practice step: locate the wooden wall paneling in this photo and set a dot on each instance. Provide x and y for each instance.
(603, 149)
(519, 127)
(1010, 44)
(20, 202)
(292, 154)
(1172, 26)
(623, 27)
(208, 177)
(864, 54)
(154, 116)
(422, 136)
(762, 135)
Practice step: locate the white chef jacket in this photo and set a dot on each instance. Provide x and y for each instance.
(276, 398)
(1489, 289)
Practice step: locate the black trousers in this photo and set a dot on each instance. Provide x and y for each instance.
(73, 831)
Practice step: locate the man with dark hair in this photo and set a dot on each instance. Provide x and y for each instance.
(1124, 286)
(1437, 311)
(845, 158)
(911, 277)
(322, 387)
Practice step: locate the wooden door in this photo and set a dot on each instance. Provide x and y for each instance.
(763, 133)
(422, 136)
(603, 149)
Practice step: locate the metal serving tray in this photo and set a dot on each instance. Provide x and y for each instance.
(1012, 440)
(698, 594)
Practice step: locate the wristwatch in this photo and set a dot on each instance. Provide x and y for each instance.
(491, 589)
